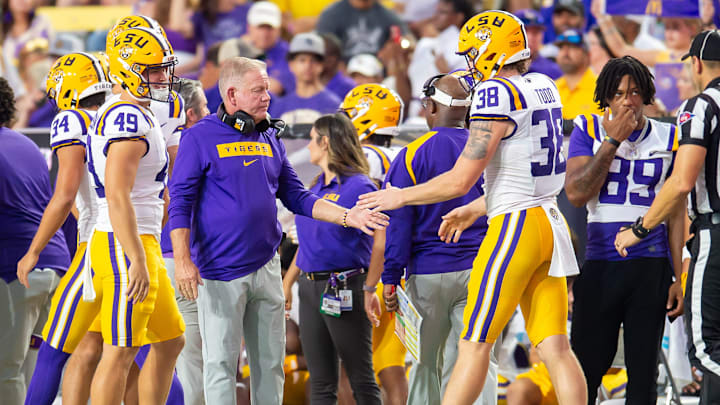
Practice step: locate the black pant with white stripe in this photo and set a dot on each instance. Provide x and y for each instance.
(702, 309)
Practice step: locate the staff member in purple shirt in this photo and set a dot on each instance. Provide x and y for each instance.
(230, 169)
(24, 193)
(437, 273)
(334, 261)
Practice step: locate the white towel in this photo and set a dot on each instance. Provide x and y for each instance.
(563, 258)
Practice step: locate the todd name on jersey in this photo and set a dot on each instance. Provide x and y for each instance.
(70, 127)
(118, 120)
(528, 168)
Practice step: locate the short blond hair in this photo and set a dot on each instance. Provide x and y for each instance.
(234, 69)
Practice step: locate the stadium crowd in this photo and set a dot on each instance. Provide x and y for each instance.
(240, 233)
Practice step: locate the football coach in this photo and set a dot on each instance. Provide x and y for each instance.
(230, 168)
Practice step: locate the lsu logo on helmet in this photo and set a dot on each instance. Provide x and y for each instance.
(124, 24)
(142, 50)
(373, 108)
(491, 40)
(74, 77)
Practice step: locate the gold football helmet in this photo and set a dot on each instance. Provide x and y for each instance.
(373, 108)
(136, 53)
(73, 77)
(491, 40)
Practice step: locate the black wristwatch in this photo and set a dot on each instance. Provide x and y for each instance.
(612, 141)
(638, 229)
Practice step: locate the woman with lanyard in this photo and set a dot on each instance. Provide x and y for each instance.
(333, 261)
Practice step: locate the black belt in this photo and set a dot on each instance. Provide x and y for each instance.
(324, 275)
(705, 221)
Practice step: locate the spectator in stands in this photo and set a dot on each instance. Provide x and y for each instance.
(264, 21)
(686, 87)
(301, 15)
(219, 20)
(24, 193)
(577, 85)
(535, 29)
(334, 260)
(710, 19)
(679, 33)
(174, 16)
(20, 25)
(365, 69)
(566, 15)
(332, 75)
(432, 54)
(363, 26)
(311, 98)
(209, 75)
(599, 52)
(34, 110)
(417, 14)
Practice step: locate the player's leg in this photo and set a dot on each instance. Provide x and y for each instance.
(81, 368)
(124, 323)
(599, 298)
(389, 357)
(66, 325)
(431, 299)
(545, 307)
(643, 326)
(458, 290)
(19, 311)
(264, 325)
(523, 391)
(165, 328)
(498, 279)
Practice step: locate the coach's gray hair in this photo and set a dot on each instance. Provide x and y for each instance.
(233, 70)
(190, 91)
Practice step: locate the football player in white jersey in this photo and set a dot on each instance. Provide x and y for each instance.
(127, 159)
(376, 112)
(77, 84)
(616, 165)
(516, 139)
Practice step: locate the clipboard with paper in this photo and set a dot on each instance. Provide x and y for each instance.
(407, 324)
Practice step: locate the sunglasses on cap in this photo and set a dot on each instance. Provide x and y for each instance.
(431, 92)
(570, 38)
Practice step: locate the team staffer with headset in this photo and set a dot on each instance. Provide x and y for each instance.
(230, 168)
(334, 261)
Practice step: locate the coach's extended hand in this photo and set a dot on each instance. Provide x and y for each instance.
(187, 278)
(389, 198)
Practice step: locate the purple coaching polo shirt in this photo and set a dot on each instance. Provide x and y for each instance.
(24, 193)
(325, 246)
(223, 188)
(412, 241)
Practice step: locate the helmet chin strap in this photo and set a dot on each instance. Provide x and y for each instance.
(496, 67)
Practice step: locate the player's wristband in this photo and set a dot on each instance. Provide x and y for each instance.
(369, 289)
(638, 229)
(611, 141)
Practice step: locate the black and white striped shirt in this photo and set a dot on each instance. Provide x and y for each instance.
(698, 123)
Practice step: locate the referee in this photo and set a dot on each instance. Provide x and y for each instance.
(696, 172)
